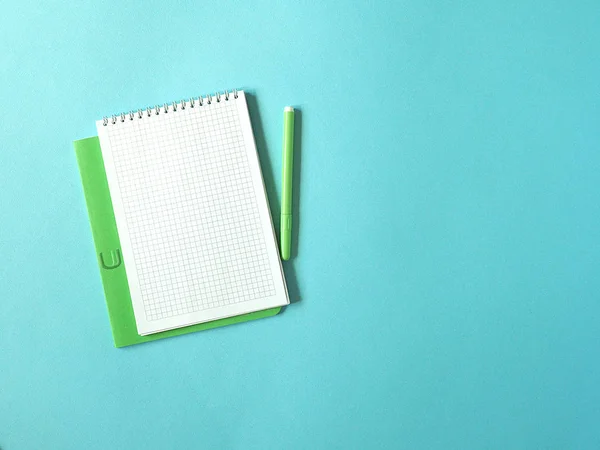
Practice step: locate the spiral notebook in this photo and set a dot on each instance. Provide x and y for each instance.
(195, 234)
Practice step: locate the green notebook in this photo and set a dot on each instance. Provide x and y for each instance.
(109, 248)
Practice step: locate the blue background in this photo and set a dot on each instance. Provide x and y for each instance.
(445, 287)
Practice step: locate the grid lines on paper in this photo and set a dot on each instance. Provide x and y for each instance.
(190, 207)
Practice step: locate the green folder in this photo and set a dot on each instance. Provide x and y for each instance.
(110, 260)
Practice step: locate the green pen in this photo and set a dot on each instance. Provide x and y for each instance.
(286, 191)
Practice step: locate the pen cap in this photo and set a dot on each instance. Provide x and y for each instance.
(287, 160)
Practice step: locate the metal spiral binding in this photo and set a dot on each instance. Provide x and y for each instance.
(166, 107)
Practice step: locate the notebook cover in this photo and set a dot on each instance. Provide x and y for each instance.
(112, 268)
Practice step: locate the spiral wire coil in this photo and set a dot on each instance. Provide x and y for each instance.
(166, 107)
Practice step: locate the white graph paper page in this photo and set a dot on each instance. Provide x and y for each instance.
(192, 214)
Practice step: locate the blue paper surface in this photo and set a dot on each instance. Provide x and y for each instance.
(447, 248)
